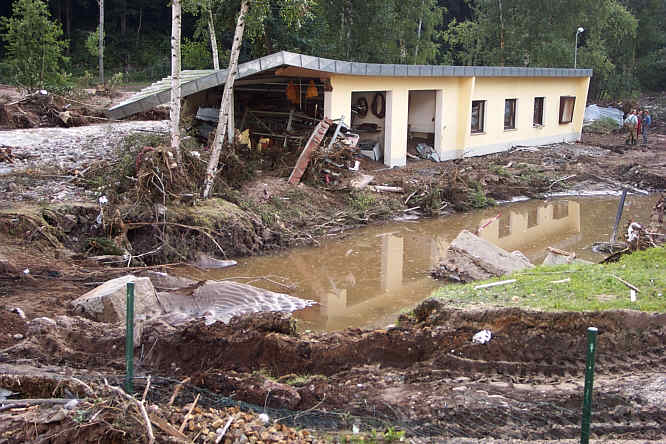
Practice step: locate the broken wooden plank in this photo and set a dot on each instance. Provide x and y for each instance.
(383, 188)
(631, 286)
(313, 143)
(495, 284)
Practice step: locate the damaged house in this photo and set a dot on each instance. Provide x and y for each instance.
(452, 111)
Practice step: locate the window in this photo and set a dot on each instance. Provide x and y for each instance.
(567, 104)
(478, 111)
(538, 111)
(509, 114)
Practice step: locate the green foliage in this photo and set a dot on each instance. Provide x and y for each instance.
(378, 31)
(602, 126)
(34, 47)
(92, 43)
(542, 33)
(478, 198)
(196, 54)
(591, 287)
(361, 202)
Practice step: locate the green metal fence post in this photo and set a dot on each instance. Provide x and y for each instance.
(589, 381)
(129, 340)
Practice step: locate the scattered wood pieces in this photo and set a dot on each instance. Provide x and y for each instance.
(168, 428)
(495, 284)
(631, 286)
(561, 252)
(224, 430)
(142, 409)
(189, 413)
(177, 390)
(383, 188)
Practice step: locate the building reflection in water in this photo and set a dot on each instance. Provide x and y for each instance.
(360, 289)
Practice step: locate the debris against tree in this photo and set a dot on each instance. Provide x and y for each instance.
(220, 132)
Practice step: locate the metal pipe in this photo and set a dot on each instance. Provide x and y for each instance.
(129, 339)
(618, 216)
(589, 382)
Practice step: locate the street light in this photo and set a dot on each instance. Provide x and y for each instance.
(578, 31)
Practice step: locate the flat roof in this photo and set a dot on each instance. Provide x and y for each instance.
(195, 81)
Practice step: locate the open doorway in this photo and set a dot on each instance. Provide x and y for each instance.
(368, 119)
(421, 123)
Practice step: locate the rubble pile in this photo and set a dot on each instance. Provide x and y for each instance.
(109, 417)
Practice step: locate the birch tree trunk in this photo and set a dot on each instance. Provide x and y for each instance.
(174, 109)
(220, 132)
(501, 24)
(213, 39)
(101, 40)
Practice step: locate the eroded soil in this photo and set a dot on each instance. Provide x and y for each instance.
(424, 376)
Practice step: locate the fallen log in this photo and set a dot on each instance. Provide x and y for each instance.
(383, 188)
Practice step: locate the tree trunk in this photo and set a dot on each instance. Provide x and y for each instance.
(174, 109)
(501, 24)
(213, 39)
(418, 34)
(123, 17)
(101, 41)
(223, 120)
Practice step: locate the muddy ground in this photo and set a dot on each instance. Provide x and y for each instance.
(424, 376)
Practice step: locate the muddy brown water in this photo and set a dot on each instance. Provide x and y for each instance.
(368, 277)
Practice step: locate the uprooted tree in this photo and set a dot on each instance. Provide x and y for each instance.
(292, 11)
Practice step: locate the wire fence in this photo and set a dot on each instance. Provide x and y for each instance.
(470, 417)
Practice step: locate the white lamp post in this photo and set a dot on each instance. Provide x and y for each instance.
(578, 31)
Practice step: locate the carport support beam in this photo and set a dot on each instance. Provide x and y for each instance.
(589, 381)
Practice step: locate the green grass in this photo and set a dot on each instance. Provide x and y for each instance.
(602, 126)
(591, 287)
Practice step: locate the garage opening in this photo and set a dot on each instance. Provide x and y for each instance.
(368, 120)
(421, 124)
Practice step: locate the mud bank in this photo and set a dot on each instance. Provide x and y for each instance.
(424, 376)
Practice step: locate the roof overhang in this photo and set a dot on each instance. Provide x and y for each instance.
(299, 65)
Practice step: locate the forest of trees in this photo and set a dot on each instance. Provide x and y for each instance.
(623, 41)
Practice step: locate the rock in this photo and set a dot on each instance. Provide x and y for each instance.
(558, 259)
(164, 281)
(207, 262)
(471, 258)
(12, 187)
(7, 267)
(68, 222)
(106, 303)
(40, 325)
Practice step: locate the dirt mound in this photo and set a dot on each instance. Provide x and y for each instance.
(12, 328)
(70, 341)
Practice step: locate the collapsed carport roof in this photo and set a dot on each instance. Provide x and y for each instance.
(195, 81)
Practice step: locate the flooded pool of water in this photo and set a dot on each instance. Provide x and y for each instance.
(370, 276)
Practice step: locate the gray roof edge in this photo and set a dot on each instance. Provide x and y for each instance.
(280, 58)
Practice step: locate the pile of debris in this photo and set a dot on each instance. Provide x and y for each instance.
(43, 108)
(108, 414)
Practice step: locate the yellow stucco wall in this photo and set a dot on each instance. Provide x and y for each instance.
(494, 91)
(453, 114)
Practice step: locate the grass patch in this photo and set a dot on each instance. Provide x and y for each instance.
(591, 287)
(602, 126)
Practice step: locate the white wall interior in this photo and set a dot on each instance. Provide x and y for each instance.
(422, 105)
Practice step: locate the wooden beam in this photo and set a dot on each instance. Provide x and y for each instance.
(293, 71)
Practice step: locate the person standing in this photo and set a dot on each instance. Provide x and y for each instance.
(631, 122)
(646, 121)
